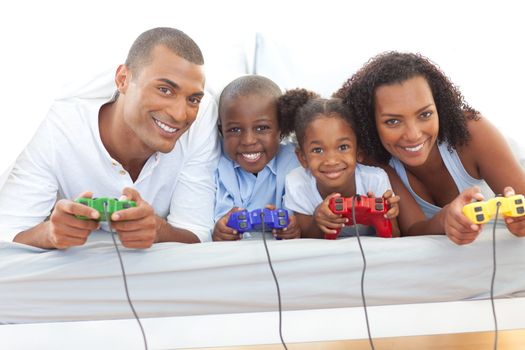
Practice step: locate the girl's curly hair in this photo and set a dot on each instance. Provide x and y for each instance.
(297, 108)
(394, 67)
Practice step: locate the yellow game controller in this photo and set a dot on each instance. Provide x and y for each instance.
(482, 212)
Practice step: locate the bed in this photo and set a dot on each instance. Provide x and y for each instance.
(223, 293)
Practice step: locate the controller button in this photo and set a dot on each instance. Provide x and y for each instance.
(125, 205)
(379, 207)
(241, 217)
(280, 214)
(282, 222)
(480, 217)
(518, 201)
(478, 209)
(242, 225)
(338, 200)
(379, 200)
(520, 210)
(339, 207)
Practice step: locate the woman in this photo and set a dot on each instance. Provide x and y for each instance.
(412, 117)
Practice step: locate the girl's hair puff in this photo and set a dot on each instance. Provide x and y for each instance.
(297, 108)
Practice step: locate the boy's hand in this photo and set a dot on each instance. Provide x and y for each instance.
(515, 225)
(65, 230)
(457, 226)
(290, 232)
(325, 219)
(136, 227)
(221, 232)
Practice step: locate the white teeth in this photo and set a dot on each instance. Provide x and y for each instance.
(251, 156)
(165, 127)
(414, 149)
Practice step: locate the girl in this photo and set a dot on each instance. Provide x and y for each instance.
(254, 162)
(327, 148)
(444, 151)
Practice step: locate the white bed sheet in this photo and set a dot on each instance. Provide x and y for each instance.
(172, 279)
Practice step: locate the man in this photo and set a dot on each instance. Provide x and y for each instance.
(148, 144)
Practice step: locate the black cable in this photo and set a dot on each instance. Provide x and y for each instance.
(124, 276)
(494, 277)
(276, 282)
(362, 275)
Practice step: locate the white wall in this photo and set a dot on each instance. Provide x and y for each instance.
(46, 44)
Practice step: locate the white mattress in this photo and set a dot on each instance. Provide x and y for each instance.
(172, 279)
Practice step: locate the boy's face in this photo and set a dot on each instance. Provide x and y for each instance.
(161, 99)
(329, 151)
(250, 130)
(407, 120)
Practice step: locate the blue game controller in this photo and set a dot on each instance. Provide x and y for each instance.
(244, 220)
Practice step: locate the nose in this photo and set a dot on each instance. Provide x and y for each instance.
(248, 137)
(331, 158)
(412, 132)
(178, 111)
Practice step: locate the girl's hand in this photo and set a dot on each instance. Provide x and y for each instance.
(457, 226)
(325, 219)
(392, 201)
(221, 232)
(515, 225)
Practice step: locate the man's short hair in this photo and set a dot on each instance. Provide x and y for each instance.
(175, 40)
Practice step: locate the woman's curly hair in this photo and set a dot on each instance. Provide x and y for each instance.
(394, 67)
(297, 108)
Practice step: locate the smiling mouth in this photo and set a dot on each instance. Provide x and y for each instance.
(251, 157)
(333, 174)
(165, 127)
(415, 148)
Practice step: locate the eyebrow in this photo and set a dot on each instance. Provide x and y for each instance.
(176, 86)
(316, 142)
(399, 115)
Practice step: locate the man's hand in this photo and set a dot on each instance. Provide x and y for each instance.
(515, 225)
(136, 227)
(221, 232)
(457, 226)
(64, 229)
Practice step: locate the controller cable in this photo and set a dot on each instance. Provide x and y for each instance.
(276, 282)
(498, 204)
(362, 275)
(124, 275)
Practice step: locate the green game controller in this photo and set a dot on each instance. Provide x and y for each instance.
(112, 205)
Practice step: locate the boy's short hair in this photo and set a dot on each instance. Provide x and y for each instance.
(175, 40)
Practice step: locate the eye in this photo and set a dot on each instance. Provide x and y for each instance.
(317, 150)
(235, 130)
(426, 115)
(166, 91)
(392, 122)
(195, 100)
(260, 128)
(344, 147)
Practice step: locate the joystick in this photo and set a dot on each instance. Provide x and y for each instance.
(244, 220)
(482, 212)
(112, 204)
(368, 211)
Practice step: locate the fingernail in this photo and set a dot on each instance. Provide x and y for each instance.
(115, 217)
(94, 214)
(509, 220)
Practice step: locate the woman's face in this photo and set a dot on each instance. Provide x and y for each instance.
(407, 120)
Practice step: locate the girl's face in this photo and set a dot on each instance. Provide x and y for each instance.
(329, 151)
(250, 130)
(407, 120)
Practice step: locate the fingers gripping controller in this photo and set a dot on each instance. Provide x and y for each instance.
(112, 205)
(482, 212)
(244, 220)
(368, 211)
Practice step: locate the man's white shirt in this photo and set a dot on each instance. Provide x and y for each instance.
(66, 157)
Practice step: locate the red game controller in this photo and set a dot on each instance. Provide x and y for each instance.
(369, 211)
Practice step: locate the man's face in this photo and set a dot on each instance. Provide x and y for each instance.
(161, 99)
